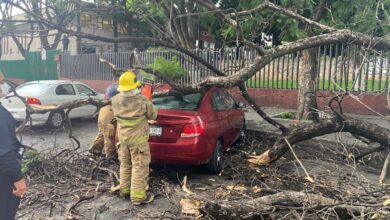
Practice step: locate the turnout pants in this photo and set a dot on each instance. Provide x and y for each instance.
(8, 202)
(106, 134)
(134, 169)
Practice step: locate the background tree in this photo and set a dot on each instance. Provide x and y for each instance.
(5, 12)
(164, 18)
(62, 13)
(365, 16)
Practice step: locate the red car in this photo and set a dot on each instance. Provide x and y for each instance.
(196, 129)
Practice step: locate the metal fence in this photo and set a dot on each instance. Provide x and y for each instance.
(340, 67)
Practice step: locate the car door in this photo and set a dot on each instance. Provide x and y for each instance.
(84, 92)
(63, 93)
(220, 115)
(235, 116)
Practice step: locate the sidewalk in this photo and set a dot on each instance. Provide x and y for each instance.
(255, 122)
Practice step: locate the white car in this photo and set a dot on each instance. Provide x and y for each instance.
(5, 88)
(48, 92)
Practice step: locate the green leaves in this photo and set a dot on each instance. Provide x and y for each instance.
(31, 157)
(169, 68)
(145, 9)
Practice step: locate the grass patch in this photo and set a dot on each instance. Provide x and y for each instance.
(326, 85)
(286, 115)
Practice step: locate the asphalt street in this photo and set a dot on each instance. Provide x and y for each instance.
(42, 138)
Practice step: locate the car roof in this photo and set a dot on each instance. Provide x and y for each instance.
(53, 82)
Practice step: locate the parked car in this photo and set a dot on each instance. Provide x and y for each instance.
(196, 129)
(5, 88)
(47, 92)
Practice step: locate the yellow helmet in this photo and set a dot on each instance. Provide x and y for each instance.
(128, 82)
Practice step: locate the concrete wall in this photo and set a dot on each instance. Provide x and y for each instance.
(288, 99)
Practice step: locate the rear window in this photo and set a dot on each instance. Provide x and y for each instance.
(32, 88)
(179, 102)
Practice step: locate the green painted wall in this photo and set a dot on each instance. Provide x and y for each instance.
(32, 68)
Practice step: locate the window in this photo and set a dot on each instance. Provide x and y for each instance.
(221, 101)
(217, 102)
(107, 25)
(228, 101)
(66, 89)
(88, 49)
(100, 23)
(122, 28)
(86, 20)
(83, 90)
(189, 102)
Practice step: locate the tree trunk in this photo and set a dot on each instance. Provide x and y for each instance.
(263, 207)
(346, 124)
(19, 45)
(307, 98)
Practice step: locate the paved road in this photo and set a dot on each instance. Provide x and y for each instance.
(43, 138)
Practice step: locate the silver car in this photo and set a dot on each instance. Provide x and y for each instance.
(51, 92)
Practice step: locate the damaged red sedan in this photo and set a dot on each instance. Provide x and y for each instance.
(195, 129)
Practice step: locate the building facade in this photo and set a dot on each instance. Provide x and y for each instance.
(90, 23)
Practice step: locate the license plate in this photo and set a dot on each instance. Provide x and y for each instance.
(155, 131)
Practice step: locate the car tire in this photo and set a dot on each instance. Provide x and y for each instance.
(215, 164)
(56, 119)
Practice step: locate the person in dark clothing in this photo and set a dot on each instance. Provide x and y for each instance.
(12, 183)
(65, 42)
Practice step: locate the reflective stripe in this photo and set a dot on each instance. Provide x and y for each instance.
(138, 195)
(125, 190)
(130, 122)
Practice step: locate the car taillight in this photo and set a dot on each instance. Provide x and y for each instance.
(33, 101)
(193, 130)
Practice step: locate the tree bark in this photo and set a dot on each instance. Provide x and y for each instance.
(307, 96)
(19, 45)
(337, 124)
(261, 207)
(294, 136)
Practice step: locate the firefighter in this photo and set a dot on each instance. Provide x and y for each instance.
(105, 139)
(12, 183)
(132, 112)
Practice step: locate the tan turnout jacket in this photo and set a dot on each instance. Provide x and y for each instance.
(132, 113)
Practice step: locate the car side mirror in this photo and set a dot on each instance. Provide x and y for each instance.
(240, 105)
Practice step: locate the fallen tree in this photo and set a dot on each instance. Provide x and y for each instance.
(336, 122)
(265, 56)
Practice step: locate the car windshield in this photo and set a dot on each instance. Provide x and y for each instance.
(179, 102)
(32, 88)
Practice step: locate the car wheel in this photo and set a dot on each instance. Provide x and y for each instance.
(217, 159)
(56, 119)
